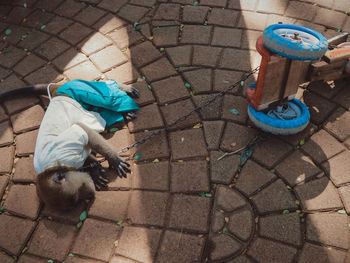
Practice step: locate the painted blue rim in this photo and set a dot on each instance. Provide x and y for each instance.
(300, 121)
(293, 50)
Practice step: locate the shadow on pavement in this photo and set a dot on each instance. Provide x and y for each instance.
(156, 214)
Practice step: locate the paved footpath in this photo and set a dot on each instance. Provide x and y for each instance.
(289, 203)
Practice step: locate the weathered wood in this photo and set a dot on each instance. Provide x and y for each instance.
(274, 79)
(337, 54)
(338, 39)
(297, 74)
(323, 70)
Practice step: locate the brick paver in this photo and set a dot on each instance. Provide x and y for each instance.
(289, 203)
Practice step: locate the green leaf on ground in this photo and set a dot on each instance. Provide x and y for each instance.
(246, 154)
(338, 30)
(195, 3)
(8, 32)
(342, 211)
(208, 195)
(120, 223)
(79, 224)
(112, 130)
(241, 83)
(149, 87)
(8, 51)
(1, 209)
(234, 111)
(42, 27)
(289, 188)
(25, 5)
(71, 255)
(201, 194)
(24, 250)
(302, 142)
(161, 49)
(137, 156)
(187, 85)
(224, 230)
(83, 216)
(50, 261)
(285, 212)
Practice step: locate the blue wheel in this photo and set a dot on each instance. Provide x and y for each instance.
(295, 42)
(288, 119)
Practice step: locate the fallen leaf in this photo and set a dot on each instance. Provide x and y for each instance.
(197, 126)
(71, 255)
(227, 219)
(285, 212)
(302, 142)
(161, 49)
(24, 250)
(233, 144)
(149, 87)
(50, 261)
(25, 5)
(137, 156)
(42, 27)
(139, 79)
(241, 83)
(207, 159)
(112, 130)
(8, 32)
(224, 230)
(83, 216)
(1, 209)
(79, 224)
(234, 111)
(187, 85)
(156, 161)
(180, 161)
(289, 188)
(116, 243)
(195, 3)
(208, 195)
(297, 202)
(246, 154)
(120, 223)
(342, 211)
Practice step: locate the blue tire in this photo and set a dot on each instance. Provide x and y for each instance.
(278, 126)
(308, 44)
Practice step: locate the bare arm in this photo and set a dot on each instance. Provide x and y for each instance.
(100, 145)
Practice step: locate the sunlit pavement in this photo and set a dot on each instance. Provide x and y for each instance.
(288, 203)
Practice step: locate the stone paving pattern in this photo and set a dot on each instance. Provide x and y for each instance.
(289, 203)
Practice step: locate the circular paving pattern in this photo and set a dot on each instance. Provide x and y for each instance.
(288, 203)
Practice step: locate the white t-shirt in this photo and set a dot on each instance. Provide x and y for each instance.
(60, 139)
